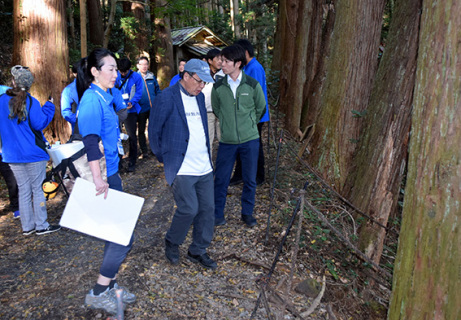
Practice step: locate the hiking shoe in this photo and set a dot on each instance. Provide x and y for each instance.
(28, 233)
(172, 252)
(249, 220)
(203, 259)
(106, 301)
(127, 296)
(50, 229)
(16, 215)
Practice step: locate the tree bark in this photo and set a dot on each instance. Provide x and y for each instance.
(110, 23)
(70, 13)
(141, 41)
(234, 12)
(83, 34)
(351, 67)
(95, 21)
(163, 48)
(375, 184)
(40, 42)
(301, 22)
(427, 273)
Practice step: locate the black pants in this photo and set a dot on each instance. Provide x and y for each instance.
(142, 122)
(11, 184)
(260, 174)
(130, 126)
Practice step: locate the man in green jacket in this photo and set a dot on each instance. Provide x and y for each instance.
(239, 103)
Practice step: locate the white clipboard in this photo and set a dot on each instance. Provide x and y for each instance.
(112, 219)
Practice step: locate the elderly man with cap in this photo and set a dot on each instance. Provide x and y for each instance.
(178, 137)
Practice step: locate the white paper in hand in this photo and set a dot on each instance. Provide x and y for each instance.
(112, 219)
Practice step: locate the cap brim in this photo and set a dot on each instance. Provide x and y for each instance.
(205, 77)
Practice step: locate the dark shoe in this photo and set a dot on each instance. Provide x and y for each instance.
(249, 220)
(220, 222)
(145, 155)
(235, 181)
(204, 260)
(28, 233)
(50, 229)
(132, 168)
(172, 252)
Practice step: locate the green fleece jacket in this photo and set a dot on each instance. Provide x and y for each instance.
(238, 117)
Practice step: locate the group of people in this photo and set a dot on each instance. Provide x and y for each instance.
(223, 96)
(179, 138)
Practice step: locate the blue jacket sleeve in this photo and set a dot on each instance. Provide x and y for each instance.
(119, 103)
(40, 117)
(138, 83)
(66, 106)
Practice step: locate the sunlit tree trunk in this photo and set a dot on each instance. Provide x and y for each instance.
(427, 272)
(163, 48)
(383, 147)
(83, 33)
(95, 22)
(141, 40)
(40, 42)
(234, 12)
(350, 71)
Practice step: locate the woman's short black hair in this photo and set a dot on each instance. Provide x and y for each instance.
(234, 53)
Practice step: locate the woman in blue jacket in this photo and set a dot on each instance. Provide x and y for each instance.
(22, 120)
(98, 120)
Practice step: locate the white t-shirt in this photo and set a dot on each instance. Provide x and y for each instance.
(197, 160)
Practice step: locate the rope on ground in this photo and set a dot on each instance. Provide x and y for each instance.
(326, 185)
(317, 300)
(347, 242)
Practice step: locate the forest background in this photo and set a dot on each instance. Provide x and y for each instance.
(371, 89)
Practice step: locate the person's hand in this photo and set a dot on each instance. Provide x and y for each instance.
(101, 187)
(129, 105)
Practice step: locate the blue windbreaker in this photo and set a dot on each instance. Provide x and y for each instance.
(18, 140)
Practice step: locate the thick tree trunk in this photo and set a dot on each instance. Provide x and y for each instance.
(427, 274)
(300, 24)
(375, 184)
(40, 42)
(95, 21)
(141, 41)
(316, 62)
(163, 49)
(83, 34)
(351, 67)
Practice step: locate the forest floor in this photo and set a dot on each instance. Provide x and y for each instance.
(47, 277)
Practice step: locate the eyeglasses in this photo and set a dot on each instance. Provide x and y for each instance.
(21, 67)
(198, 81)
